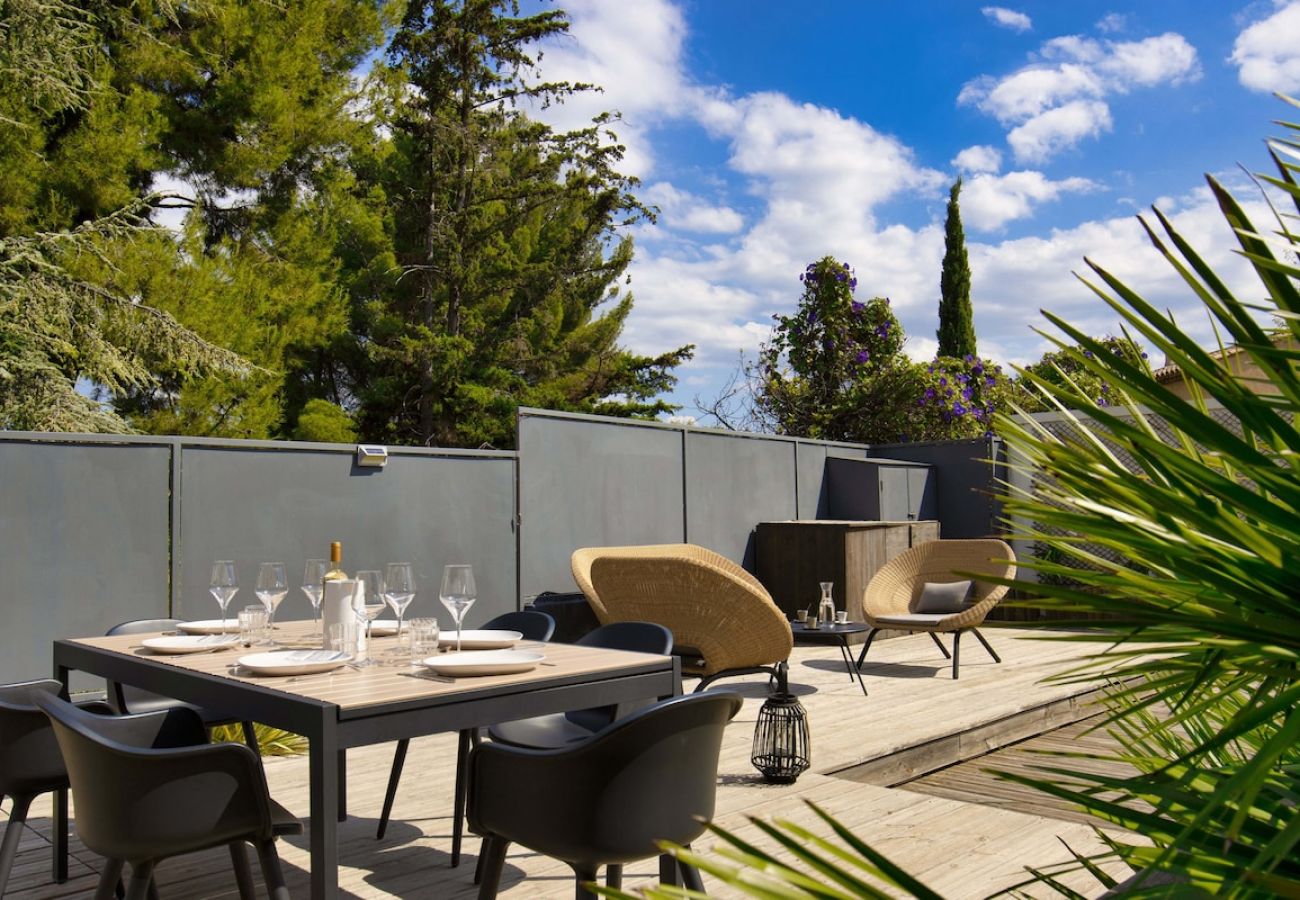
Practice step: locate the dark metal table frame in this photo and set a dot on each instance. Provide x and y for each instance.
(331, 729)
(834, 634)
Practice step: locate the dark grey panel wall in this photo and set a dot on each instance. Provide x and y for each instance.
(253, 505)
(732, 484)
(814, 499)
(585, 482)
(965, 481)
(83, 543)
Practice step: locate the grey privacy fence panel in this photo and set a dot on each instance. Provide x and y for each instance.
(811, 456)
(262, 501)
(590, 481)
(733, 482)
(84, 533)
(593, 481)
(968, 477)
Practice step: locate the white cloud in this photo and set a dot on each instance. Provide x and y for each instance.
(1267, 52)
(682, 210)
(1048, 133)
(980, 158)
(990, 201)
(1008, 18)
(815, 182)
(1059, 98)
(1112, 23)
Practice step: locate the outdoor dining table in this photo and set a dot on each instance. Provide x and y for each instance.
(353, 707)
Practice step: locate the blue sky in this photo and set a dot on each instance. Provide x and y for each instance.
(770, 134)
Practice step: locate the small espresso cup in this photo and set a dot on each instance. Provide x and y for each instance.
(841, 617)
(801, 615)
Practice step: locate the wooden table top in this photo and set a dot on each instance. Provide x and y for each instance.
(395, 680)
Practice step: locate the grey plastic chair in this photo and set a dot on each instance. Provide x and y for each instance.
(534, 626)
(30, 763)
(148, 787)
(127, 699)
(562, 729)
(607, 801)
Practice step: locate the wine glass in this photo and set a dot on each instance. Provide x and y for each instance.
(224, 585)
(457, 594)
(272, 587)
(399, 589)
(372, 591)
(313, 585)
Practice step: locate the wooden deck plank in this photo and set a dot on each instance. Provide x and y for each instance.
(912, 700)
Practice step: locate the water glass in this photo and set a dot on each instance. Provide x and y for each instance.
(253, 622)
(343, 637)
(424, 639)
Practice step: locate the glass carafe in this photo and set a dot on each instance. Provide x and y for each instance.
(826, 609)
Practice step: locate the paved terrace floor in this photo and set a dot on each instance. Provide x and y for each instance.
(959, 849)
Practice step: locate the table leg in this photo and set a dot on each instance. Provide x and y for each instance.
(60, 863)
(854, 672)
(343, 785)
(323, 826)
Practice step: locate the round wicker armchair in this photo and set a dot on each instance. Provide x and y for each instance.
(892, 596)
(712, 606)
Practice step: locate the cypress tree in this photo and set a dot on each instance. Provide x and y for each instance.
(956, 327)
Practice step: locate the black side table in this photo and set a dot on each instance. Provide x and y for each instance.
(833, 634)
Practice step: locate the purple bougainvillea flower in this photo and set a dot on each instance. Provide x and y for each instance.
(812, 317)
(969, 357)
(929, 393)
(967, 393)
(1144, 356)
(857, 308)
(846, 267)
(853, 284)
(1101, 401)
(943, 382)
(958, 409)
(1088, 354)
(863, 356)
(988, 379)
(977, 371)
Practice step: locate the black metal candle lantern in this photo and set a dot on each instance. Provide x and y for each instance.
(782, 745)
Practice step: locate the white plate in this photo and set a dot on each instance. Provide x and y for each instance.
(210, 626)
(190, 643)
(480, 640)
(383, 628)
(294, 662)
(485, 662)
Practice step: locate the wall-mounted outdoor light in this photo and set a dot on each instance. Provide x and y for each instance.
(372, 455)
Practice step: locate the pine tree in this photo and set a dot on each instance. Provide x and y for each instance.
(59, 330)
(956, 326)
(500, 287)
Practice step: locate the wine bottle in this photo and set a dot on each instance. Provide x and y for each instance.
(336, 572)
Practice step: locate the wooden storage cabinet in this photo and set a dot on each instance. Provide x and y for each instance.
(791, 558)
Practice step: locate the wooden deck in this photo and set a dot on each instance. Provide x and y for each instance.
(915, 718)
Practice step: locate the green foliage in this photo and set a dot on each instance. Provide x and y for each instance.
(323, 421)
(1064, 368)
(501, 254)
(956, 326)
(835, 370)
(57, 329)
(272, 741)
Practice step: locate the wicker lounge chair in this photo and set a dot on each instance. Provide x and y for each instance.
(711, 605)
(892, 596)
